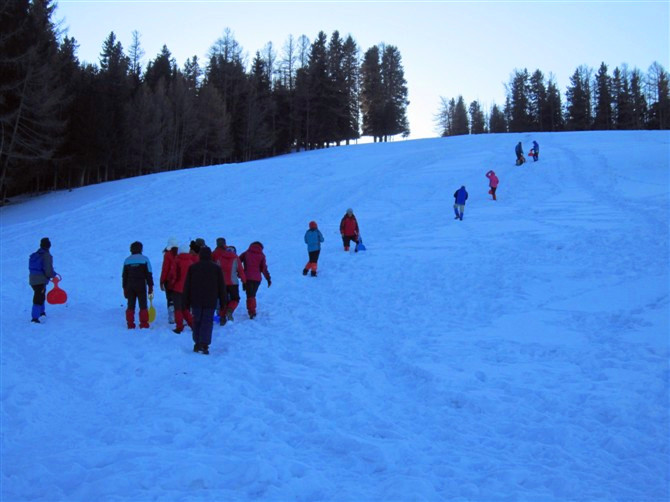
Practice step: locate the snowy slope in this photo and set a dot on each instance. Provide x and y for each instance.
(521, 354)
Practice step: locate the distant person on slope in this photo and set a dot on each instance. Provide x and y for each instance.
(203, 288)
(493, 183)
(185, 258)
(460, 196)
(313, 239)
(520, 159)
(136, 278)
(535, 151)
(169, 254)
(349, 229)
(41, 270)
(255, 265)
(233, 273)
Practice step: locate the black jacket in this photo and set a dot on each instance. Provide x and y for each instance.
(204, 283)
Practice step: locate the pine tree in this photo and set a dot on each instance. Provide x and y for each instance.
(638, 101)
(553, 112)
(394, 85)
(497, 122)
(519, 105)
(621, 99)
(350, 67)
(578, 97)
(372, 103)
(460, 118)
(603, 99)
(659, 111)
(477, 120)
(537, 97)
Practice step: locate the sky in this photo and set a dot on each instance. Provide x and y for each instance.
(448, 48)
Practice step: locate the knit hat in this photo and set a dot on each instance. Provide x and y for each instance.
(136, 247)
(45, 243)
(220, 242)
(195, 247)
(200, 241)
(350, 211)
(184, 248)
(312, 225)
(205, 254)
(171, 243)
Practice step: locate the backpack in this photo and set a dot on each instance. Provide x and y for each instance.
(36, 262)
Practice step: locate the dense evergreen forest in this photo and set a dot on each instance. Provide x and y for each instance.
(626, 99)
(64, 124)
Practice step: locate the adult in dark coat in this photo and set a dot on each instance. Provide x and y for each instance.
(203, 288)
(460, 196)
(520, 159)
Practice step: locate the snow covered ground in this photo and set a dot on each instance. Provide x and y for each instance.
(519, 354)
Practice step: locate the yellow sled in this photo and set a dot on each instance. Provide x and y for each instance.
(152, 310)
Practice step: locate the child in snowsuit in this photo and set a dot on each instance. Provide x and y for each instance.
(536, 151)
(233, 272)
(349, 229)
(460, 196)
(169, 254)
(203, 288)
(493, 183)
(520, 159)
(254, 263)
(313, 239)
(136, 277)
(187, 256)
(42, 271)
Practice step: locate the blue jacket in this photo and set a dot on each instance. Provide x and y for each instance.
(313, 239)
(536, 147)
(461, 196)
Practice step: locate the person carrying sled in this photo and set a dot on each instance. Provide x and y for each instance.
(40, 266)
(186, 257)
(349, 229)
(493, 183)
(136, 278)
(535, 152)
(203, 288)
(460, 196)
(520, 159)
(255, 266)
(169, 255)
(233, 273)
(313, 239)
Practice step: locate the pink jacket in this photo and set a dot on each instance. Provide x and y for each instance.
(493, 179)
(254, 263)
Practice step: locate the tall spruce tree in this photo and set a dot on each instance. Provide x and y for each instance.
(603, 99)
(578, 97)
(497, 121)
(394, 85)
(372, 96)
(477, 120)
(659, 111)
(553, 112)
(621, 99)
(519, 106)
(350, 68)
(537, 101)
(460, 119)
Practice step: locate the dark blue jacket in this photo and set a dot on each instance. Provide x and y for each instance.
(461, 195)
(536, 147)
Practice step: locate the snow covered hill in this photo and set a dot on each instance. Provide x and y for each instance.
(519, 354)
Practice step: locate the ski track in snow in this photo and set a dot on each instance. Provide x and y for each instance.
(521, 354)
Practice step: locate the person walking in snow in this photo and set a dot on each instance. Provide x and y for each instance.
(169, 255)
(460, 196)
(520, 159)
(349, 229)
(535, 151)
(136, 278)
(203, 288)
(41, 271)
(313, 239)
(233, 273)
(185, 258)
(493, 183)
(255, 266)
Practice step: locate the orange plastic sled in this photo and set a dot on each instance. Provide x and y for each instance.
(56, 296)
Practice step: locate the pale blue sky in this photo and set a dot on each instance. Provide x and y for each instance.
(448, 47)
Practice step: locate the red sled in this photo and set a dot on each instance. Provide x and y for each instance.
(56, 296)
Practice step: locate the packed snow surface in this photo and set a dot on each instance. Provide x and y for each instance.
(519, 354)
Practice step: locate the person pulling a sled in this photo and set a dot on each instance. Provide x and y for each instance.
(40, 266)
(493, 183)
(535, 152)
(313, 239)
(520, 159)
(349, 229)
(136, 278)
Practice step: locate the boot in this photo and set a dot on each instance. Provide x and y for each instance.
(304, 271)
(130, 318)
(346, 248)
(179, 321)
(222, 318)
(313, 274)
(144, 318)
(494, 196)
(251, 307)
(188, 318)
(36, 312)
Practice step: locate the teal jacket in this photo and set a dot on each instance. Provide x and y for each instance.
(313, 239)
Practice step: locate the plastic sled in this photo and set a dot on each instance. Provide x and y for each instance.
(56, 296)
(152, 310)
(359, 245)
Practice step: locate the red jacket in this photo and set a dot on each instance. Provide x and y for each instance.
(493, 179)
(349, 225)
(231, 266)
(254, 263)
(179, 268)
(168, 259)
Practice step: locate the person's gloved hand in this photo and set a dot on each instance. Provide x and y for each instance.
(269, 283)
